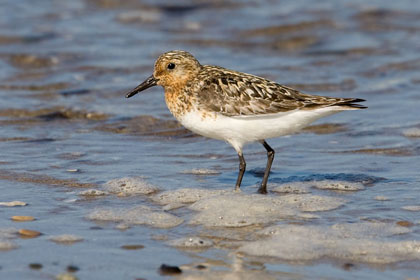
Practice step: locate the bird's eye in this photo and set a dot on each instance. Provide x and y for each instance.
(171, 66)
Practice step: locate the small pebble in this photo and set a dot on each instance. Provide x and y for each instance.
(65, 276)
(132, 247)
(348, 266)
(381, 198)
(13, 203)
(28, 233)
(405, 223)
(200, 266)
(35, 266)
(96, 228)
(73, 170)
(72, 268)
(165, 269)
(22, 218)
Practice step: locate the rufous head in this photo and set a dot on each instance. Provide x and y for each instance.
(173, 69)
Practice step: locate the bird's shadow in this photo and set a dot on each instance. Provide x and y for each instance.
(349, 177)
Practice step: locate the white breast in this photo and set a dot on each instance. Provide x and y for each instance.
(245, 129)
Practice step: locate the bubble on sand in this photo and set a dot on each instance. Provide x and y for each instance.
(67, 239)
(337, 185)
(13, 203)
(130, 186)
(140, 215)
(411, 207)
(314, 203)
(181, 197)
(201, 171)
(304, 187)
(66, 276)
(405, 223)
(193, 242)
(412, 132)
(172, 206)
(292, 188)
(239, 210)
(368, 229)
(381, 198)
(235, 274)
(7, 245)
(5, 235)
(147, 15)
(92, 193)
(8, 232)
(358, 242)
(237, 269)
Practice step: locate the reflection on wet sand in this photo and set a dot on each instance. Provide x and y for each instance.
(42, 179)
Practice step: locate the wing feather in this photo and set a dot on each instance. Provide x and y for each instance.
(233, 93)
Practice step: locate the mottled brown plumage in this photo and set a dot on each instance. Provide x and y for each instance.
(236, 107)
(234, 93)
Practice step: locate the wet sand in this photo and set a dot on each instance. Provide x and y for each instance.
(97, 186)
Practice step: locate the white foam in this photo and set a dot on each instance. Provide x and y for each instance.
(66, 238)
(237, 274)
(411, 207)
(13, 203)
(5, 235)
(359, 242)
(182, 197)
(239, 210)
(7, 245)
(66, 276)
(130, 186)
(304, 187)
(92, 193)
(140, 215)
(381, 198)
(337, 185)
(412, 132)
(8, 233)
(193, 242)
(292, 188)
(201, 171)
(237, 270)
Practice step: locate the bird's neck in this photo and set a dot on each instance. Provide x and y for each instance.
(178, 102)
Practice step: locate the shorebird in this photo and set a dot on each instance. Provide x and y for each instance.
(236, 107)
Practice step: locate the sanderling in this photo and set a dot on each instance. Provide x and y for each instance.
(236, 107)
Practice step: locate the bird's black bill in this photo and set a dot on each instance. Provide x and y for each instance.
(149, 82)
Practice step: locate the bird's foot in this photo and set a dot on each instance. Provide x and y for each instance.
(262, 190)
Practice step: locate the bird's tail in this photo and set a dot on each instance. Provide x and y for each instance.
(350, 103)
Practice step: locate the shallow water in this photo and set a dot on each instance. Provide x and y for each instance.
(66, 127)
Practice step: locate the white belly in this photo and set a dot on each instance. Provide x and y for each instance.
(245, 129)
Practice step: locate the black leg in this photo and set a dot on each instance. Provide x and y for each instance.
(270, 157)
(242, 167)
